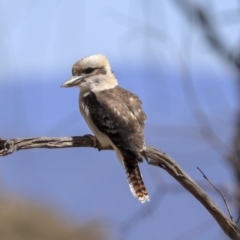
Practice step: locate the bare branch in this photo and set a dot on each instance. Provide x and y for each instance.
(229, 212)
(203, 17)
(155, 157)
(9, 146)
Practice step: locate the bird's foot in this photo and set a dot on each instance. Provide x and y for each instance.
(96, 143)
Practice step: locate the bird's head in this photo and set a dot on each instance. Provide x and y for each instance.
(92, 73)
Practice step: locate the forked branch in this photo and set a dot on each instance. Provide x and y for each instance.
(155, 157)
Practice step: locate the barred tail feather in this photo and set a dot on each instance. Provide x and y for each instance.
(136, 185)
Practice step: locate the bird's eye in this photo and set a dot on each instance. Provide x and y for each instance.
(88, 70)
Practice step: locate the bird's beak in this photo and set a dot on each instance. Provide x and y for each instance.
(73, 81)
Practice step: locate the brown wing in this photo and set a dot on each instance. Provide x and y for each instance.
(133, 103)
(110, 113)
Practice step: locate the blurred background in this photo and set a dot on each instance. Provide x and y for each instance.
(183, 60)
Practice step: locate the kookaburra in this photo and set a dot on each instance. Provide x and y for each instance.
(113, 114)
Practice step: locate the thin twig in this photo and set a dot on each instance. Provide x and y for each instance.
(224, 199)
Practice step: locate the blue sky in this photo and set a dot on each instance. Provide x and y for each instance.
(54, 34)
(147, 45)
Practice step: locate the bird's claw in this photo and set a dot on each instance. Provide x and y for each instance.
(96, 143)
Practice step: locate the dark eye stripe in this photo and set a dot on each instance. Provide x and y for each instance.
(89, 70)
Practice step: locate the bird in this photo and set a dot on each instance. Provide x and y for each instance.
(113, 114)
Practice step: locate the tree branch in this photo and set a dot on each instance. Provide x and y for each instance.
(155, 157)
